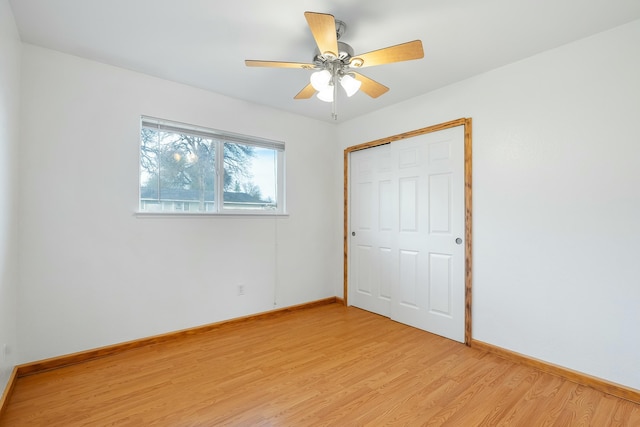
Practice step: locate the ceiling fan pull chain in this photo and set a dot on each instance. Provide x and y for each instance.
(334, 108)
(336, 77)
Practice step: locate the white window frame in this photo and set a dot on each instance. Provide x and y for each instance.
(220, 137)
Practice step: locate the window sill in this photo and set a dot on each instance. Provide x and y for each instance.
(139, 214)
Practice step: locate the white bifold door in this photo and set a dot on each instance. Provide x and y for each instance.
(406, 236)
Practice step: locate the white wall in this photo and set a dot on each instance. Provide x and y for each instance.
(556, 200)
(92, 273)
(9, 113)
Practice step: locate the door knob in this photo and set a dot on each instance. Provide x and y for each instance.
(353, 233)
(458, 240)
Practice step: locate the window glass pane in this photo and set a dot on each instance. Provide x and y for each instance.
(176, 172)
(250, 177)
(191, 169)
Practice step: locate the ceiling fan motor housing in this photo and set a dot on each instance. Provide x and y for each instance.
(345, 53)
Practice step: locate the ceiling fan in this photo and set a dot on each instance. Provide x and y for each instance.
(335, 62)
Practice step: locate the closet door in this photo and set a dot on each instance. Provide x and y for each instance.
(371, 262)
(407, 229)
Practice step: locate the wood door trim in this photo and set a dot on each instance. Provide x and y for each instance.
(466, 122)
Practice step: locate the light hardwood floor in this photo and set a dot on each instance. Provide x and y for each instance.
(328, 365)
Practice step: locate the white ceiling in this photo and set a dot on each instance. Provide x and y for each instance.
(204, 43)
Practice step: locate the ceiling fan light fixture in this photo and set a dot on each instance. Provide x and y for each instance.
(350, 84)
(333, 60)
(320, 80)
(326, 94)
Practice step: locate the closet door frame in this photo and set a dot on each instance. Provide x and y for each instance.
(467, 123)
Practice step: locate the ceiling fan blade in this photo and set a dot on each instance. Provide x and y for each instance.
(323, 28)
(277, 64)
(370, 87)
(397, 53)
(306, 93)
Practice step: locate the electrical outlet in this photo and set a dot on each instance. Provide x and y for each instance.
(240, 290)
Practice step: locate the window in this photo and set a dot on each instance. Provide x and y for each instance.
(190, 169)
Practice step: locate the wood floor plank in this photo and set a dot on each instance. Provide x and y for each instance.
(525, 406)
(327, 365)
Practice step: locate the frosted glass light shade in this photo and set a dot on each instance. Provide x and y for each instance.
(350, 85)
(326, 94)
(320, 80)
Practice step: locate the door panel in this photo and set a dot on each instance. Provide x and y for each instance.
(407, 210)
(408, 204)
(364, 201)
(372, 264)
(385, 272)
(440, 204)
(385, 205)
(365, 266)
(440, 286)
(408, 280)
